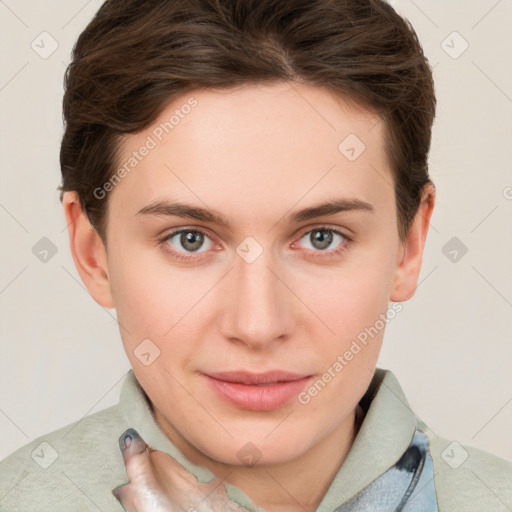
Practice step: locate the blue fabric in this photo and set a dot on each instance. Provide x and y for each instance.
(408, 486)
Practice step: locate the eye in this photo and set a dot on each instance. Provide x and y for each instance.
(185, 241)
(320, 239)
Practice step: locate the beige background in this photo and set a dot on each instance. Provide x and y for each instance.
(451, 347)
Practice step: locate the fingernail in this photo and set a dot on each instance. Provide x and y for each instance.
(126, 438)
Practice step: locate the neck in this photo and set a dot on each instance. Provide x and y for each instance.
(296, 485)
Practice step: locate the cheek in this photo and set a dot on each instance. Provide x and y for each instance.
(352, 303)
(148, 296)
(350, 297)
(159, 302)
(346, 354)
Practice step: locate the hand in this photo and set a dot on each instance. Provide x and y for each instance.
(158, 483)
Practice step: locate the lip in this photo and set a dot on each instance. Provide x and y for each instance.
(257, 391)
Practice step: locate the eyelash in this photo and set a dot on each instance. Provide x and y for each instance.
(316, 254)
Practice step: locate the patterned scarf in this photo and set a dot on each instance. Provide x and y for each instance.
(408, 486)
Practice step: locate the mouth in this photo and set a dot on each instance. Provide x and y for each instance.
(257, 391)
(243, 377)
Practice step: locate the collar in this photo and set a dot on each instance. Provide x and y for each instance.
(386, 432)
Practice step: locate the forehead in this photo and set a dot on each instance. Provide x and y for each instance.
(247, 147)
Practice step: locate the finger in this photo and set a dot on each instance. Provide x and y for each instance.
(124, 494)
(157, 480)
(135, 499)
(143, 493)
(139, 468)
(177, 481)
(218, 500)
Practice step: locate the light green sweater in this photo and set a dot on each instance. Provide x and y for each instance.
(76, 467)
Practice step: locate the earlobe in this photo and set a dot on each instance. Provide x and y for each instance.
(411, 253)
(88, 251)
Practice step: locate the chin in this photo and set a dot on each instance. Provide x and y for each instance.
(259, 452)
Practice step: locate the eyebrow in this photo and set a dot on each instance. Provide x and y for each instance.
(177, 209)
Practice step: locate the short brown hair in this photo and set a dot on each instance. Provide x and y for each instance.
(135, 56)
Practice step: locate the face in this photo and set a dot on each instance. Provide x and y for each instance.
(237, 279)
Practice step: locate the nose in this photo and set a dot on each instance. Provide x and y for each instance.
(259, 312)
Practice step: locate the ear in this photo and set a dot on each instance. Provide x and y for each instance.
(411, 251)
(88, 250)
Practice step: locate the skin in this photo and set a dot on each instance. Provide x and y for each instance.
(255, 154)
(159, 484)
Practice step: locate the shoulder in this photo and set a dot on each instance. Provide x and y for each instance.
(66, 469)
(467, 478)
